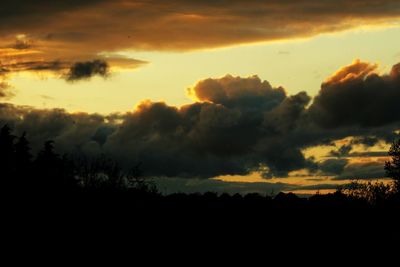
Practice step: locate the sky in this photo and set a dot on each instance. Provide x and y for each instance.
(226, 96)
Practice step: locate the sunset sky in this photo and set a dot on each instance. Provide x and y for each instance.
(225, 96)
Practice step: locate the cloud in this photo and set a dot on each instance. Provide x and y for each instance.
(80, 31)
(13, 61)
(182, 25)
(357, 96)
(237, 126)
(33, 66)
(369, 154)
(72, 132)
(5, 90)
(333, 166)
(70, 71)
(236, 134)
(239, 92)
(86, 70)
(21, 44)
(356, 70)
(363, 170)
(343, 151)
(233, 130)
(44, 32)
(366, 141)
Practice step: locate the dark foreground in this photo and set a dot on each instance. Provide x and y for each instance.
(152, 220)
(54, 199)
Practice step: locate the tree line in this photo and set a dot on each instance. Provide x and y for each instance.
(48, 172)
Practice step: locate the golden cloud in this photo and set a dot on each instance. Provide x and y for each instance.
(354, 71)
(82, 29)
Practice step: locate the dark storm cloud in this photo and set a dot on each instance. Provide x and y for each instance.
(356, 96)
(364, 171)
(86, 70)
(72, 133)
(365, 140)
(184, 143)
(333, 166)
(285, 117)
(235, 131)
(343, 151)
(240, 125)
(236, 135)
(237, 92)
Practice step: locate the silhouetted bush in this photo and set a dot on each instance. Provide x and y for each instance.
(7, 155)
(392, 167)
(375, 193)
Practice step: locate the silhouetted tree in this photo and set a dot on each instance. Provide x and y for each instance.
(392, 167)
(100, 174)
(7, 153)
(375, 193)
(48, 168)
(137, 182)
(23, 155)
(54, 172)
(23, 160)
(68, 174)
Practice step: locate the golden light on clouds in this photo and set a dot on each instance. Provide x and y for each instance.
(81, 31)
(354, 71)
(261, 106)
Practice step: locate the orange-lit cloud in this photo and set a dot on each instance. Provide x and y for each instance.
(230, 91)
(355, 95)
(80, 30)
(150, 24)
(357, 70)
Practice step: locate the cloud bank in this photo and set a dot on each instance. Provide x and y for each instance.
(236, 127)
